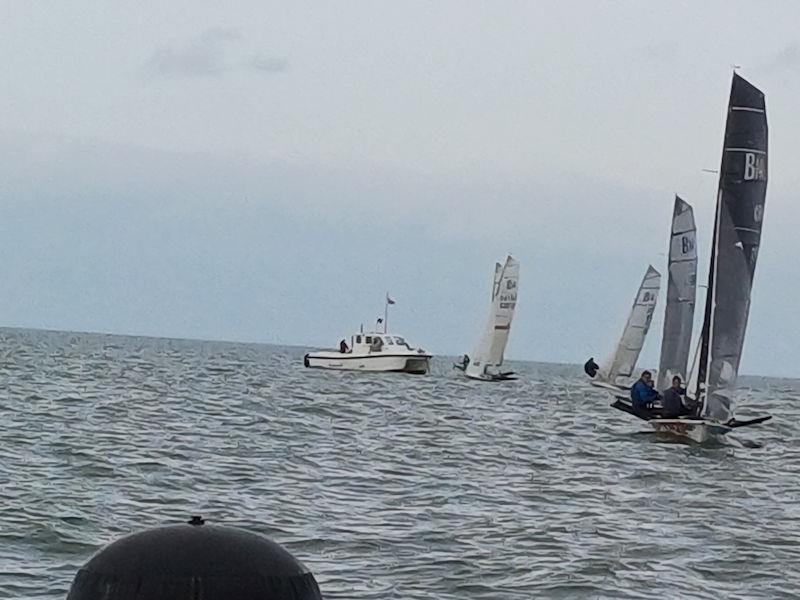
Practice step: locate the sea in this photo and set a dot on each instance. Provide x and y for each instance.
(386, 486)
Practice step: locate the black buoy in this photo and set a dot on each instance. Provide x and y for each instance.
(194, 561)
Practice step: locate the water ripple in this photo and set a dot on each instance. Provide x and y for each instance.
(385, 486)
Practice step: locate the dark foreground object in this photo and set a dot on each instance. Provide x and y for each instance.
(194, 562)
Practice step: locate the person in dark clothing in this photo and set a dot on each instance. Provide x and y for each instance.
(463, 364)
(642, 392)
(673, 400)
(343, 347)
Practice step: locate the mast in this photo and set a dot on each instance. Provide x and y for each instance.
(737, 236)
(681, 287)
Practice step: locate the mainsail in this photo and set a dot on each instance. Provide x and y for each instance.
(737, 236)
(630, 345)
(492, 344)
(681, 285)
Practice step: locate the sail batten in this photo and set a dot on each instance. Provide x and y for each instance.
(737, 236)
(681, 287)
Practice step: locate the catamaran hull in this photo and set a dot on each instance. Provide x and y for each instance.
(688, 428)
(492, 377)
(610, 387)
(696, 430)
(417, 364)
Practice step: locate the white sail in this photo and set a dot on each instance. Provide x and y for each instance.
(681, 288)
(623, 361)
(488, 355)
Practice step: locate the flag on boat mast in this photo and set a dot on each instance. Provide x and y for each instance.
(389, 301)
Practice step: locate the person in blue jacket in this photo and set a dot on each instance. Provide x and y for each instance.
(642, 392)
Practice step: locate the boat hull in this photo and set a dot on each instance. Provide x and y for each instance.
(611, 387)
(492, 377)
(696, 430)
(418, 364)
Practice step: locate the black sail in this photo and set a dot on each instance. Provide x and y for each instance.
(737, 236)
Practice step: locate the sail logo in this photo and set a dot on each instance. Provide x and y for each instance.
(648, 297)
(511, 284)
(508, 300)
(758, 213)
(650, 310)
(754, 167)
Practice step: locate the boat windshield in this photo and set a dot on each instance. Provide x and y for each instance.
(400, 341)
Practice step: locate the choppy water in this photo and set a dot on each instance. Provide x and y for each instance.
(386, 486)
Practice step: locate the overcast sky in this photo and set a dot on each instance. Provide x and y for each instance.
(264, 171)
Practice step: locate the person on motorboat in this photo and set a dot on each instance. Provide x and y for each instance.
(463, 364)
(343, 348)
(672, 400)
(642, 393)
(377, 344)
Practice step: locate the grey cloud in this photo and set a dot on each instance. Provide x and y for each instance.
(214, 52)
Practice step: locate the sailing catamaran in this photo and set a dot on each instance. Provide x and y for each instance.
(676, 339)
(616, 373)
(487, 359)
(737, 236)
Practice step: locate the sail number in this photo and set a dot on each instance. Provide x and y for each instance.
(754, 167)
(687, 245)
(508, 300)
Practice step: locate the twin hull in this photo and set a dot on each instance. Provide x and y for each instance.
(697, 430)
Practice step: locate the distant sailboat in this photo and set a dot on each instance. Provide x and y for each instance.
(616, 372)
(676, 339)
(487, 359)
(737, 236)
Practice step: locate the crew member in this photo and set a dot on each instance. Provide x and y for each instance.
(642, 392)
(672, 400)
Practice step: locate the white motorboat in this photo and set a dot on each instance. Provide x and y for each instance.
(375, 352)
(487, 359)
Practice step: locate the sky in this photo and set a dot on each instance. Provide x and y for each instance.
(266, 172)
